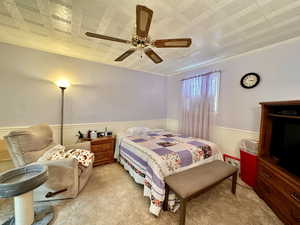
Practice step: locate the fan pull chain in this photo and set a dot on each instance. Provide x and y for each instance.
(141, 52)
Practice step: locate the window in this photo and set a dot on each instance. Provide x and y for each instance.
(199, 104)
(202, 87)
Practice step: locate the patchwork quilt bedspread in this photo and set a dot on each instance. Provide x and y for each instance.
(153, 156)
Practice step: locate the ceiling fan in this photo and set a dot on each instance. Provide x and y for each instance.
(141, 40)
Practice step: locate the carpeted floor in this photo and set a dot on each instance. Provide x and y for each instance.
(112, 198)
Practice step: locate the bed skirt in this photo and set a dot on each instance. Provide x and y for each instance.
(139, 178)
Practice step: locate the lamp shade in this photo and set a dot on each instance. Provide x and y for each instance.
(62, 83)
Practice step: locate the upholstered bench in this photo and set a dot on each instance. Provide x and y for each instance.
(190, 183)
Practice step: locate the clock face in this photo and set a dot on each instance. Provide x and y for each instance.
(250, 80)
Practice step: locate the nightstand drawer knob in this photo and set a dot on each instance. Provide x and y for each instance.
(266, 175)
(295, 197)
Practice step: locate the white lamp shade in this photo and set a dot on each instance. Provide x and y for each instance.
(62, 83)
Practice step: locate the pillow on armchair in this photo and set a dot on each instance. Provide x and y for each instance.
(84, 157)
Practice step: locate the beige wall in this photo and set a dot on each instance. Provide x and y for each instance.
(239, 108)
(99, 92)
(238, 114)
(100, 96)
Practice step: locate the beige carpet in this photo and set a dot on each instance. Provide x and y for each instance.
(112, 198)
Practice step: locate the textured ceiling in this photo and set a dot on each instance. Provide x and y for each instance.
(219, 28)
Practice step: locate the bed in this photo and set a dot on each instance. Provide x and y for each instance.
(152, 155)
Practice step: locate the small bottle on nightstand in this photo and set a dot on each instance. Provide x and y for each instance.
(93, 134)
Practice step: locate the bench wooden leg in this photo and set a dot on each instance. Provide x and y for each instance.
(234, 179)
(166, 201)
(182, 211)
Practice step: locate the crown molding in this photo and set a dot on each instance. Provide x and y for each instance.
(218, 60)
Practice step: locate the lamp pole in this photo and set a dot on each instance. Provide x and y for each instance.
(62, 115)
(62, 84)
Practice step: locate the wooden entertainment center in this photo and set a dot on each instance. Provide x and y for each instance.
(278, 187)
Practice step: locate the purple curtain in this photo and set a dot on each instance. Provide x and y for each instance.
(199, 104)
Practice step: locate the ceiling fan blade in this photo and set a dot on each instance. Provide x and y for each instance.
(100, 36)
(152, 55)
(143, 20)
(173, 43)
(125, 55)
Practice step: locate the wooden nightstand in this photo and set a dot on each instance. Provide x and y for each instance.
(104, 149)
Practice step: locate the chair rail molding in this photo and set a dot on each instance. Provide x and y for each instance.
(228, 139)
(71, 130)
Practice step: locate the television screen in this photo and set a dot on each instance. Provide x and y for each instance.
(285, 144)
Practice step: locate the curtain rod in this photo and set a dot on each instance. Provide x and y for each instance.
(200, 75)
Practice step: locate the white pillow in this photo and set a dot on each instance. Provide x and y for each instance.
(137, 131)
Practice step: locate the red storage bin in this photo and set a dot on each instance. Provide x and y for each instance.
(248, 151)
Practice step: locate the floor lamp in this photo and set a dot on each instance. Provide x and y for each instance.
(62, 84)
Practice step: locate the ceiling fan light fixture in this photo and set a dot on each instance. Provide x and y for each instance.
(141, 41)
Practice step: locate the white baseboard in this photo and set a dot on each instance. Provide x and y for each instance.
(71, 130)
(228, 139)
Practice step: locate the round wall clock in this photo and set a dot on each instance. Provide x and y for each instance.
(250, 80)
